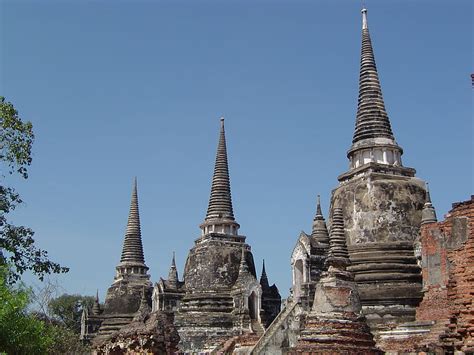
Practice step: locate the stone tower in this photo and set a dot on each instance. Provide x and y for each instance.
(382, 204)
(132, 281)
(217, 303)
(167, 293)
(308, 259)
(335, 323)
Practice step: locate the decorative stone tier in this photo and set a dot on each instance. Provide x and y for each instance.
(211, 302)
(111, 324)
(335, 337)
(389, 282)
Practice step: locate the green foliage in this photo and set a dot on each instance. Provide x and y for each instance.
(20, 332)
(16, 140)
(66, 341)
(68, 309)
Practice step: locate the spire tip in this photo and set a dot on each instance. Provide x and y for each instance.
(364, 18)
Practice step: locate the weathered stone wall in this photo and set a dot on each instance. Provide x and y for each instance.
(382, 216)
(155, 335)
(124, 297)
(459, 229)
(213, 263)
(380, 208)
(445, 317)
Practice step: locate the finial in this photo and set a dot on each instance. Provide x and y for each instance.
(318, 208)
(173, 262)
(96, 306)
(243, 263)
(428, 214)
(428, 196)
(364, 19)
(264, 278)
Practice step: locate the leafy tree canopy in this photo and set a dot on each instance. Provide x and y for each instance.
(16, 140)
(68, 309)
(20, 333)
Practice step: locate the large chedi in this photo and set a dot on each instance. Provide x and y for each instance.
(130, 288)
(382, 203)
(222, 295)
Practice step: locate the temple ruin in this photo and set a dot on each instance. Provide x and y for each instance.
(384, 277)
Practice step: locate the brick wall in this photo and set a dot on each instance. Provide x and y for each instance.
(445, 317)
(459, 226)
(448, 279)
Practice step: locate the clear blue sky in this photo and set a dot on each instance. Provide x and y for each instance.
(137, 88)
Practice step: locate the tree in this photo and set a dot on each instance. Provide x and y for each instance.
(20, 332)
(16, 140)
(68, 309)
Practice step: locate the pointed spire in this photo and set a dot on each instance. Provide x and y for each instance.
(143, 309)
(220, 201)
(320, 232)
(319, 213)
(132, 251)
(428, 214)
(338, 253)
(243, 267)
(96, 305)
(173, 274)
(428, 196)
(264, 279)
(372, 119)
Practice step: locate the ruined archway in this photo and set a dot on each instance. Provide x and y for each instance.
(298, 278)
(253, 306)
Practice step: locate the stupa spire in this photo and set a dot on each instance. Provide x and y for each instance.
(220, 214)
(173, 273)
(373, 140)
(264, 278)
(372, 119)
(96, 305)
(319, 232)
(220, 201)
(428, 214)
(319, 213)
(243, 267)
(132, 251)
(338, 253)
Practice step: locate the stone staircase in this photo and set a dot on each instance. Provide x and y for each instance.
(257, 328)
(274, 327)
(113, 323)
